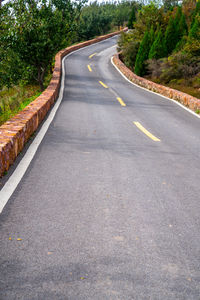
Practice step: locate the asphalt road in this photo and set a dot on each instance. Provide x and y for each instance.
(104, 211)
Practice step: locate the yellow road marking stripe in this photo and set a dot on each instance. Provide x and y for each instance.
(92, 55)
(103, 84)
(121, 101)
(89, 68)
(151, 136)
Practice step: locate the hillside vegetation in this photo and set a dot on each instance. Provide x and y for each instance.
(33, 31)
(164, 44)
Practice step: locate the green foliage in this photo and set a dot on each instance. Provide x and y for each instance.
(178, 16)
(149, 16)
(177, 66)
(169, 4)
(170, 36)
(132, 18)
(37, 30)
(195, 29)
(193, 44)
(95, 20)
(122, 12)
(128, 48)
(158, 47)
(142, 55)
(182, 27)
(195, 12)
(182, 67)
(14, 99)
(98, 18)
(152, 35)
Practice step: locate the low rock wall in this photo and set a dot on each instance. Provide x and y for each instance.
(187, 100)
(15, 132)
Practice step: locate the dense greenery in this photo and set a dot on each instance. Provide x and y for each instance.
(164, 43)
(32, 31)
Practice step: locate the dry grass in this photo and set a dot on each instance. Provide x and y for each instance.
(195, 92)
(190, 86)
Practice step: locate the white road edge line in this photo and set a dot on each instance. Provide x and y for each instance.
(12, 183)
(178, 103)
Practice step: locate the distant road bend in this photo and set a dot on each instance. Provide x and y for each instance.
(109, 206)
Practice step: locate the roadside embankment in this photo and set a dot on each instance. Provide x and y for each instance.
(185, 99)
(15, 132)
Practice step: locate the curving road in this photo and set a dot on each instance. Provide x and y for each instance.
(109, 206)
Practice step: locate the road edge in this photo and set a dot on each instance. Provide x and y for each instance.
(15, 133)
(13, 181)
(135, 80)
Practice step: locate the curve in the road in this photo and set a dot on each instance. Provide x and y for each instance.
(103, 211)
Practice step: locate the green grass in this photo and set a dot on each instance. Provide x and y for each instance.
(16, 99)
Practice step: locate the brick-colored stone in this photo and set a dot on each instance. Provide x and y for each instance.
(15, 132)
(187, 100)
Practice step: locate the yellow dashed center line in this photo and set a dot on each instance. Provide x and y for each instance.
(103, 84)
(92, 55)
(121, 101)
(89, 68)
(151, 136)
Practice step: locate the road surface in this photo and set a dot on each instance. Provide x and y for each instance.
(109, 206)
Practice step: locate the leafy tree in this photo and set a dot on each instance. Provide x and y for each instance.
(95, 20)
(142, 55)
(11, 68)
(148, 16)
(158, 48)
(37, 31)
(122, 12)
(128, 47)
(169, 4)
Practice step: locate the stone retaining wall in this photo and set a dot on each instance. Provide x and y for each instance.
(15, 132)
(187, 100)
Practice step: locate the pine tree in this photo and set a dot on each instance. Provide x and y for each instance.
(152, 35)
(195, 13)
(182, 27)
(178, 15)
(157, 49)
(193, 43)
(195, 29)
(170, 40)
(132, 18)
(142, 55)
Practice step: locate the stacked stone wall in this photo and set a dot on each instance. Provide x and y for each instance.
(185, 99)
(15, 132)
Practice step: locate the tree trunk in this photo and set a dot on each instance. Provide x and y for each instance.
(41, 74)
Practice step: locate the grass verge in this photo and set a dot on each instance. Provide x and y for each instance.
(15, 99)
